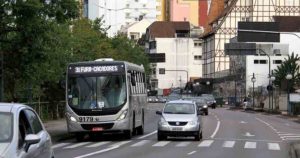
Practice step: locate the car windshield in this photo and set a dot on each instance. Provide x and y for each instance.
(6, 127)
(179, 108)
(97, 91)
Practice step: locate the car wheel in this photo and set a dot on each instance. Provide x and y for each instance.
(140, 129)
(128, 134)
(198, 137)
(206, 113)
(160, 136)
(79, 137)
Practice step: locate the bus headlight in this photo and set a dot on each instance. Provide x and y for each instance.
(123, 115)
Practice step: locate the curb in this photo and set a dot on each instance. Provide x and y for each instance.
(294, 150)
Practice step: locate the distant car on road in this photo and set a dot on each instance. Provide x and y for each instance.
(200, 102)
(179, 118)
(210, 100)
(22, 134)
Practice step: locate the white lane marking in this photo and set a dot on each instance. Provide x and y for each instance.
(183, 144)
(248, 134)
(205, 143)
(217, 128)
(98, 152)
(121, 143)
(291, 139)
(98, 144)
(257, 140)
(59, 145)
(140, 143)
(243, 122)
(76, 145)
(193, 152)
(250, 145)
(112, 147)
(161, 143)
(228, 144)
(147, 135)
(290, 136)
(273, 146)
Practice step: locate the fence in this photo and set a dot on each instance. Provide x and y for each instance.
(47, 110)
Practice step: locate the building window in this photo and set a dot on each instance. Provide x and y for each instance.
(85, 8)
(161, 70)
(263, 61)
(260, 61)
(127, 5)
(127, 15)
(153, 72)
(136, 0)
(144, 5)
(277, 61)
(197, 57)
(197, 44)
(152, 45)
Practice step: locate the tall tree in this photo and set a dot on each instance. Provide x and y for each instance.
(289, 66)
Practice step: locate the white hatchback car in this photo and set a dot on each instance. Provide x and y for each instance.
(22, 135)
(179, 118)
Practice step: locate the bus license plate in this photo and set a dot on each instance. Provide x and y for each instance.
(176, 129)
(97, 129)
(88, 119)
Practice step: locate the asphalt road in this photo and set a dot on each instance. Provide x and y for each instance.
(227, 134)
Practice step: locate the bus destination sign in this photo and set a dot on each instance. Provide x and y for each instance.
(91, 69)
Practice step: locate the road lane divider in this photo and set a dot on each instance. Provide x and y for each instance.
(60, 145)
(228, 144)
(112, 147)
(147, 135)
(140, 143)
(76, 145)
(191, 153)
(217, 127)
(98, 144)
(273, 146)
(161, 143)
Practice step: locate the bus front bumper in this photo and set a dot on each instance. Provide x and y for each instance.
(107, 126)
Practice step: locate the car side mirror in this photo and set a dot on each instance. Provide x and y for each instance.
(158, 113)
(31, 139)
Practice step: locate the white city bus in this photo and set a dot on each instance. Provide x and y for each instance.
(105, 96)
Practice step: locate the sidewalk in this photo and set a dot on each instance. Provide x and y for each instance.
(57, 129)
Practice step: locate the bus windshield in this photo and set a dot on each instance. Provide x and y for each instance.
(96, 92)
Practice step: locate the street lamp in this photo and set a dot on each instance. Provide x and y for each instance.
(272, 78)
(288, 77)
(253, 79)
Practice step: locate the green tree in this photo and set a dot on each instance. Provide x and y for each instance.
(31, 38)
(289, 65)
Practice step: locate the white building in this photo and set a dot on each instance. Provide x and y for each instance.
(136, 29)
(183, 57)
(117, 13)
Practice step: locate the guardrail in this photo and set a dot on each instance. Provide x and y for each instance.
(49, 110)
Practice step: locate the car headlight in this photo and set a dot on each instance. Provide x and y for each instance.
(123, 115)
(204, 106)
(163, 122)
(192, 123)
(73, 119)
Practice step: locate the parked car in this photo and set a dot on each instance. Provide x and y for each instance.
(179, 118)
(22, 134)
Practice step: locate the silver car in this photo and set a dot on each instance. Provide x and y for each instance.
(179, 118)
(22, 135)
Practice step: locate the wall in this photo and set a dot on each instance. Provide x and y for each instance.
(184, 10)
(179, 53)
(140, 28)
